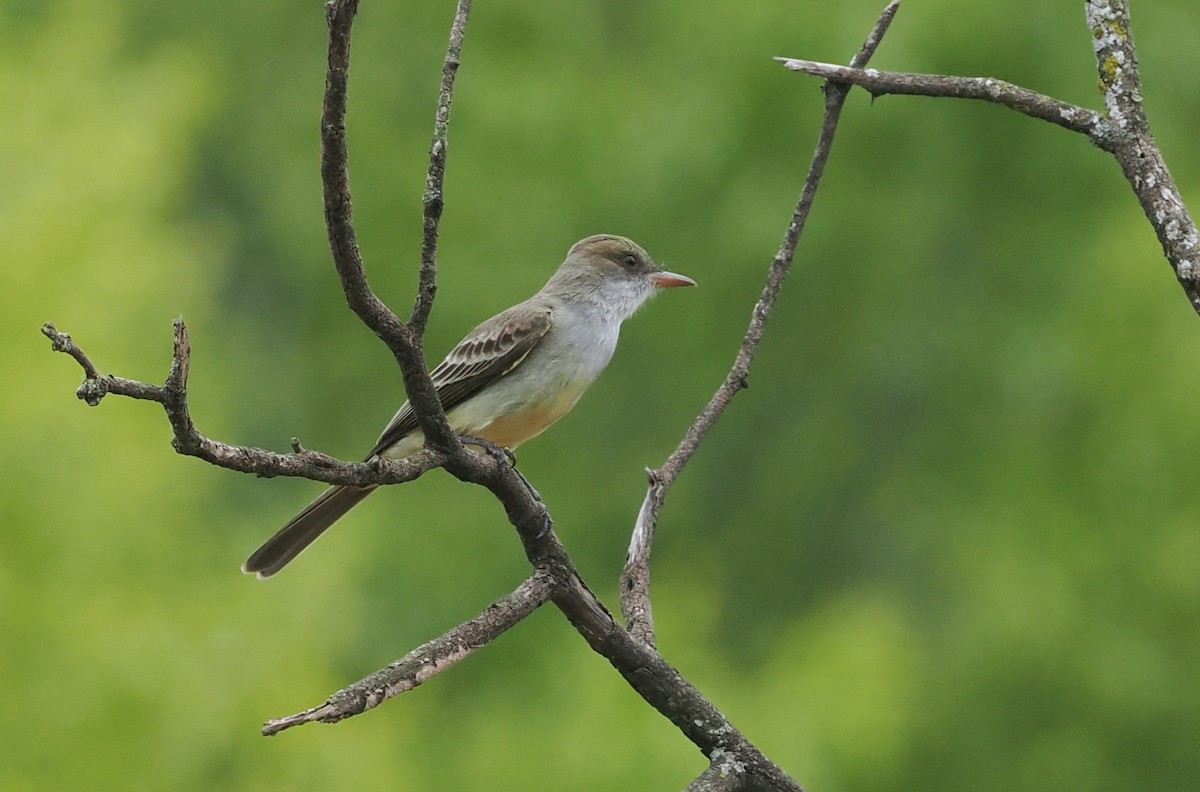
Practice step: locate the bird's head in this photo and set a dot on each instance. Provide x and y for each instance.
(613, 272)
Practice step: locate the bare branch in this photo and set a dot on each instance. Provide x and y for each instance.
(635, 579)
(172, 395)
(433, 199)
(987, 89)
(1137, 153)
(95, 387)
(311, 465)
(428, 660)
(656, 680)
(1123, 131)
(405, 345)
(175, 389)
(1116, 61)
(651, 676)
(61, 342)
(335, 178)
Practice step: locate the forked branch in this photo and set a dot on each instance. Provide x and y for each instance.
(1122, 130)
(172, 395)
(635, 580)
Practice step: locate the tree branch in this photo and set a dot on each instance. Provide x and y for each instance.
(1137, 153)
(404, 342)
(1030, 103)
(335, 179)
(1123, 130)
(1117, 63)
(172, 395)
(433, 200)
(428, 660)
(61, 342)
(635, 579)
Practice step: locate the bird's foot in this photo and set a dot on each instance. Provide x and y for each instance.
(494, 451)
(502, 455)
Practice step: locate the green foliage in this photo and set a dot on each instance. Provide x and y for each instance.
(946, 540)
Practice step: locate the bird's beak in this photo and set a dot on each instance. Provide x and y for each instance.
(669, 280)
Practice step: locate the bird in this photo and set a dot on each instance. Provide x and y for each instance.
(510, 378)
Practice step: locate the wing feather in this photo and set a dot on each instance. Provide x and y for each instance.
(488, 352)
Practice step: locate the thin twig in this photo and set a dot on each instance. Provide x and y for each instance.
(61, 342)
(405, 345)
(95, 386)
(335, 180)
(428, 660)
(987, 89)
(175, 390)
(172, 395)
(635, 579)
(434, 200)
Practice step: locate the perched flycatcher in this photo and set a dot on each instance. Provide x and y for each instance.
(512, 376)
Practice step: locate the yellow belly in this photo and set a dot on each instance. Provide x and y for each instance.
(520, 424)
(511, 430)
(517, 422)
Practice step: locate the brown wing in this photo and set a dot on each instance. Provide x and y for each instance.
(489, 352)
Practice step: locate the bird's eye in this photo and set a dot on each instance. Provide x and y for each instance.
(629, 262)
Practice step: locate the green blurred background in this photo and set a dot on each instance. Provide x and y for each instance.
(947, 540)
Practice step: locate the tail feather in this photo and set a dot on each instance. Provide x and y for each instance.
(305, 527)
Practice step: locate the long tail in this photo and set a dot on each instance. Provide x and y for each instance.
(303, 530)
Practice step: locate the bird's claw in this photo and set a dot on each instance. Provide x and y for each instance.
(493, 450)
(502, 455)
